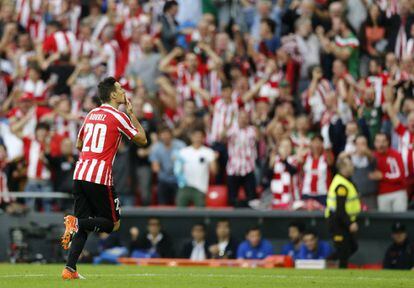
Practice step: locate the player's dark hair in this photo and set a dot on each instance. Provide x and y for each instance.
(42, 125)
(298, 225)
(105, 88)
(168, 5)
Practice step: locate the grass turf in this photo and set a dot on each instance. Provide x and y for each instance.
(181, 277)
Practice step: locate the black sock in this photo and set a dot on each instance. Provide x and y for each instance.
(97, 224)
(76, 247)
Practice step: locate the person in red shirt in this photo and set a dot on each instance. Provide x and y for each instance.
(392, 194)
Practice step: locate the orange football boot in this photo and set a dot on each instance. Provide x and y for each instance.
(71, 227)
(68, 274)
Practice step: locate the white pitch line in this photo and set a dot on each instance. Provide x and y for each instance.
(201, 275)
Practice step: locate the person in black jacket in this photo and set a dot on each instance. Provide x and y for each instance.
(169, 30)
(155, 242)
(400, 254)
(197, 248)
(224, 247)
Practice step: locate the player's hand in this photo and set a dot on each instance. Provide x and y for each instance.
(353, 228)
(128, 106)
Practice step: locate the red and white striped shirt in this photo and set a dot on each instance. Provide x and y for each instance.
(378, 82)
(100, 135)
(315, 104)
(270, 90)
(111, 53)
(242, 150)
(223, 114)
(316, 176)
(283, 185)
(36, 90)
(24, 8)
(36, 168)
(405, 147)
(60, 41)
(183, 80)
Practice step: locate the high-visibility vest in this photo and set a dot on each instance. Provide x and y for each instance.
(342, 186)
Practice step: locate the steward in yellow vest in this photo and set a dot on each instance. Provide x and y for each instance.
(342, 209)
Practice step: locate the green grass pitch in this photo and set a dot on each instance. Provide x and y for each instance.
(102, 276)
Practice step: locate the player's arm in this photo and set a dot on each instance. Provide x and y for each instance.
(140, 138)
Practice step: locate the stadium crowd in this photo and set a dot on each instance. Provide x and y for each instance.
(254, 94)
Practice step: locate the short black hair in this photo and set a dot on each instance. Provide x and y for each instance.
(164, 128)
(202, 225)
(168, 5)
(311, 232)
(223, 220)
(42, 125)
(226, 85)
(253, 228)
(381, 133)
(105, 88)
(270, 23)
(317, 136)
(198, 129)
(298, 225)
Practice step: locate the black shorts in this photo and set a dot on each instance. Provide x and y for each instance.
(95, 200)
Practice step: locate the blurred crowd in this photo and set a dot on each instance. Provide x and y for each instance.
(258, 96)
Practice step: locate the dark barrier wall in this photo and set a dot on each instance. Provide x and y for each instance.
(374, 234)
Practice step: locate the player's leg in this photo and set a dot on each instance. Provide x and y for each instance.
(74, 236)
(104, 204)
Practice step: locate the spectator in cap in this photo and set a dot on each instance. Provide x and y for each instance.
(400, 254)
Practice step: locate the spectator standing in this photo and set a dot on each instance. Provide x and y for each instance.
(242, 156)
(224, 246)
(197, 248)
(313, 248)
(405, 140)
(162, 162)
(295, 234)
(194, 164)
(254, 247)
(122, 173)
(38, 173)
(169, 25)
(364, 164)
(145, 69)
(316, 171)
(400, 254)
(391, 175)
(142, 174)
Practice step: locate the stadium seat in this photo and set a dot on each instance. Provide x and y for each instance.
(216, 196)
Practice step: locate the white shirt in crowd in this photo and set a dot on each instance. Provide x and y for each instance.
(198, 253)
(196, 166)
